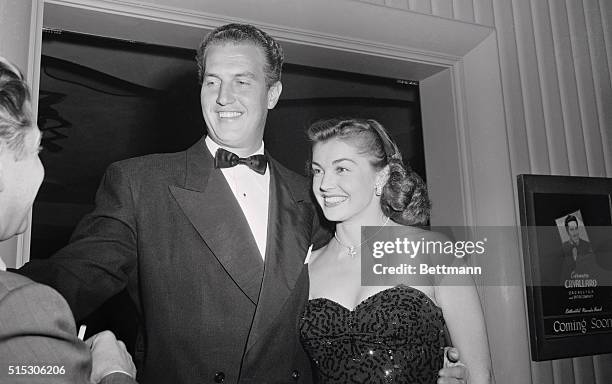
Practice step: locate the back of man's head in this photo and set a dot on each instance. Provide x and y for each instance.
(15, 117)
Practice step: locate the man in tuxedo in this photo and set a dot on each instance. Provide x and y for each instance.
(578, 256)
(213, 257)
(211, 241)
(38, 341)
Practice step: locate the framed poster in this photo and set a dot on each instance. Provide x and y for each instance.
(567, 253)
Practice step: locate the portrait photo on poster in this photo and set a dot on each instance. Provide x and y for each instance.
(578, 257)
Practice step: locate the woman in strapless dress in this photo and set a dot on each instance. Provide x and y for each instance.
(379, 334)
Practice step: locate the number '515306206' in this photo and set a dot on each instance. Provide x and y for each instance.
(36, 370)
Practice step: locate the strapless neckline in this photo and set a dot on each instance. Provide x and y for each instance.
(374, 296)
(393, 336)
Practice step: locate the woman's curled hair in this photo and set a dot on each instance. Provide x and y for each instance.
(404, 197)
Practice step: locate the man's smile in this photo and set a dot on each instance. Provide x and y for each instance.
(229, 114)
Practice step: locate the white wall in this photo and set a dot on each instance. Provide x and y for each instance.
(556, 60)
(471, 11)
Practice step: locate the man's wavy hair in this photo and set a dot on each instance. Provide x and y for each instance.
(244, 33)
(569, 219)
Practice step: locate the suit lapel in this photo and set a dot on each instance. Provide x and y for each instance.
(209, 204)
(287, 243)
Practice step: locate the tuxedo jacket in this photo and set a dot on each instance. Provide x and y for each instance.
(169, 228)
(585, 261)
(37, 332)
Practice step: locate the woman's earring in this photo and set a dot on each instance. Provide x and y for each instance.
(379, 189)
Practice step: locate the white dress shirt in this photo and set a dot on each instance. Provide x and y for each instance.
(252, 191)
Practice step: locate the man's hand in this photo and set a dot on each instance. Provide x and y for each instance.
(109, 355)
(454, 371)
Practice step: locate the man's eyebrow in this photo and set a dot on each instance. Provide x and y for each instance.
(248, 74)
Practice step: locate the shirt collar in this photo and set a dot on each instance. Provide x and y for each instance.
(2, 265)
(212, 147)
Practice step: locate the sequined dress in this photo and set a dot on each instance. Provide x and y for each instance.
(394, 336)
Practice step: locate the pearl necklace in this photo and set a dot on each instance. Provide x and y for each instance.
(351, 250)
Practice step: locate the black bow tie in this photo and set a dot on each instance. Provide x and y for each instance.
(227, 159)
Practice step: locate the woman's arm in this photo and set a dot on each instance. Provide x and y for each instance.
(464, 318)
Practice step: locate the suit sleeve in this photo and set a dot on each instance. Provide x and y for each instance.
(37, 330)
(102, 252)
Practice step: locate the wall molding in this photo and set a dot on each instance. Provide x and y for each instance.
(312, 32)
